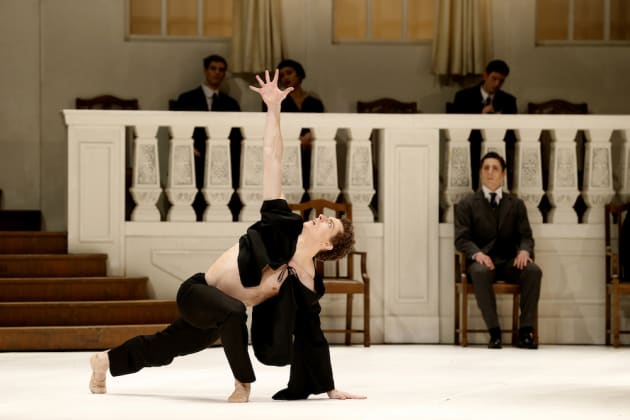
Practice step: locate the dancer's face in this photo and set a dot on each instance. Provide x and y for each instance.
(324, 229)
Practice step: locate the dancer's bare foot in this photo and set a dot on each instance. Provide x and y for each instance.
(241, 392)
(100, 364)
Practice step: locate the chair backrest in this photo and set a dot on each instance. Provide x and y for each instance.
(617, 239)
(106, 102)
(557, 106)
(387, 106)
(313, 208)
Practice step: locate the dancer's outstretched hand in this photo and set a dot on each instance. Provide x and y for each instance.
(269, 91)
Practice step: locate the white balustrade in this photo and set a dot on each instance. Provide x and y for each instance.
(359, 185)
(528, 172)
(217, 186)
(458, 178)
(146, 187)
(598, 179)
(324, 178)
(563, 181)
(181, 189)
(410, 252)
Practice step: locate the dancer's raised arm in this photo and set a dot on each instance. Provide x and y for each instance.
(272, 140)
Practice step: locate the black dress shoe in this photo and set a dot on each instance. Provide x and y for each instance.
(494, 343)
(526, 341)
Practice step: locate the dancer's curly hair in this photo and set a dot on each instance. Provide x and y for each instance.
(342, 243)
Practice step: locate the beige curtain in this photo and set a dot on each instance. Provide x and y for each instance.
(257, 35)
(462, 41)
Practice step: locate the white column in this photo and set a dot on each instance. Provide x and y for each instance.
(493, 141)
(292, 187)
(324, 179)
(563, 184)
(359, 185)
(96, 191)
(458, 176)
(146, 188)
(217, 184)
(250, 190)
(598, 184)
(624, 166)
(528, 172)
(181, 187)
(411, 223)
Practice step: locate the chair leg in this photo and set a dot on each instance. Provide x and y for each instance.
(615, 315)
(456, 331)
(464, 316)
(608, 331)
(348, 318)
(366, 318)
(515, 306)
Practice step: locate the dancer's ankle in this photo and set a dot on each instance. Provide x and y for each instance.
(241, 392)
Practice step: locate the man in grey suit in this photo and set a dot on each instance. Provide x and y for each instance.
(492, 229)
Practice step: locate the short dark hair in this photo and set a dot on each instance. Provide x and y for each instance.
(214, 57)
(498, 66)
(294, 65)
(343, 242)
(493, 155)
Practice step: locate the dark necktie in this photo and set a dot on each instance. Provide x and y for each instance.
(493, 200)
(488, 101)
(215, 100)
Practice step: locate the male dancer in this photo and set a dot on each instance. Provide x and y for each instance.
(271, 266)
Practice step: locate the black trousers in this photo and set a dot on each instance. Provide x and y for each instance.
(206, 314)
(529, 278)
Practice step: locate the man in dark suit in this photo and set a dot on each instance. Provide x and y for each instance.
(487, 98)
(208, 97)
(492, 229)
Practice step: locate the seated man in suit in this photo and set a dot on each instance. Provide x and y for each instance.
(487, 98)
(208, 97)
(492, 229)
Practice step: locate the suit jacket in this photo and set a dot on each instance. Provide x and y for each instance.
(499, 233)
(195, 100)
(470, 101)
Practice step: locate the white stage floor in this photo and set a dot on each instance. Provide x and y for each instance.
(401, 382)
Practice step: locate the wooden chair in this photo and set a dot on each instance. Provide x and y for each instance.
(340, 280)
(387, 106)
(617, 256)
(557, 106)
(106, 102)
(464, 288)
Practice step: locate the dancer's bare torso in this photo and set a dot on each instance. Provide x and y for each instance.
(224, 275)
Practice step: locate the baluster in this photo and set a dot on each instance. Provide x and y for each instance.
(528, 172)
(359, 185)
(598, 185)
(250, 190)
(493, 141)
(563, 183)
(146, 187)
(458, 176)
(181, 187)
(217, 184)
(324, 180)
(292, 186)
(624, 166)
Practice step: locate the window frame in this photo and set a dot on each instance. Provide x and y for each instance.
(369, 40)
(163, 36)
(570, 41)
